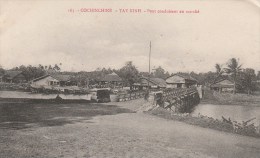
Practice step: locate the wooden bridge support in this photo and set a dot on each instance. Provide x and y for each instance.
(182, 101)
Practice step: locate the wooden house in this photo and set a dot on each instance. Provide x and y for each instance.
(180, 81)
(12, 76)
(224, 85)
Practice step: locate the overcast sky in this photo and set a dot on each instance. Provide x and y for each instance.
(44, 32)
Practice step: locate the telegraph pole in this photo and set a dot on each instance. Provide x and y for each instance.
(149, 64)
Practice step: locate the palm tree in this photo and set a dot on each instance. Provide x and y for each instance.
(219, 71)
(233, 68)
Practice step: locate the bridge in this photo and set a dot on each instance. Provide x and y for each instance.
(178, 100)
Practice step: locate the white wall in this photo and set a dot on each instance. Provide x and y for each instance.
(44, 81)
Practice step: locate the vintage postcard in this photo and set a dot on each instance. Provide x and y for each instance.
(129, 79)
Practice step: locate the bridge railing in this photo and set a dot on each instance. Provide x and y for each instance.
(130, 96)
(178, 92)
(167, 93)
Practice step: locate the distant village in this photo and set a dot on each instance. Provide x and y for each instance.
(51, 79)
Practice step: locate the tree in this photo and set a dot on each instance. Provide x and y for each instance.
(219, 72)
(56, 67)
(41, 66)
(159, 72)
(129, 73)
(248, 76)
(2, 71)
(30, 72)
(258, 75)
(233, 68)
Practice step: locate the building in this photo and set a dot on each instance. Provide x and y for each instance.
(51, 80)
(64, 80)
(224, 85)
(156, 83)
(111, 80)
(12, 76)
(180, 81)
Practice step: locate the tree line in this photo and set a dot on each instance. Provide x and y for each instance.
(243, 78)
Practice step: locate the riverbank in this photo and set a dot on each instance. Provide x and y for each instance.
(80, 130)
(208, 122)
(216, 98)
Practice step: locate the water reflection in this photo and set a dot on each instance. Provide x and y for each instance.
(235, 112)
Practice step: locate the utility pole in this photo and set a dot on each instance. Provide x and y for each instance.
(148, 88)
(149, 64)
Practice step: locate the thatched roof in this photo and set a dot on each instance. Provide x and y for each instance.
(111, 77)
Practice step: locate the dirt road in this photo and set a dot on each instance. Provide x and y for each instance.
(125, 135)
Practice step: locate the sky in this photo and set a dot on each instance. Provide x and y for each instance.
(45, 32)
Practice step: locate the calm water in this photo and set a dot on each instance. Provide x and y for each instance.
(16, 94)
(235, 112)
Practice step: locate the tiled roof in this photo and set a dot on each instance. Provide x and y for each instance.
(185, 76)
(157, 81)
(61, 77)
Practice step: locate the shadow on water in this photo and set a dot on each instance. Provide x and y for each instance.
(21, 115)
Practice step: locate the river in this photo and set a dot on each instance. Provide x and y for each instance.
(17, 94)
(235, 112)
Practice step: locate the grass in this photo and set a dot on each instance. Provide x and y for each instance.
(211, 97)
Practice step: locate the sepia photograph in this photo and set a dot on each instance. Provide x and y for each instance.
(129, 79)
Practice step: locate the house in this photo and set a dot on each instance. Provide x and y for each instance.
(111, 79)
(43, 81)
(12, 76)
(51, 80)
(224, 85)
(64, 80)
(145, 82)
(180, 81)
